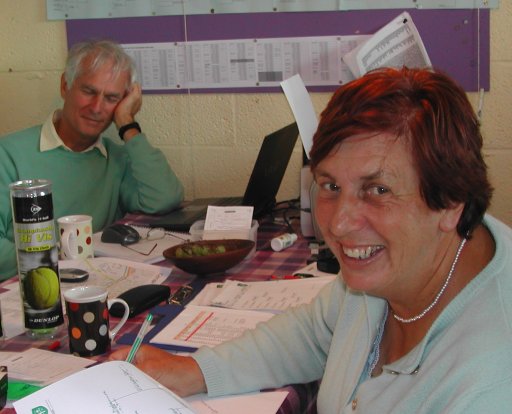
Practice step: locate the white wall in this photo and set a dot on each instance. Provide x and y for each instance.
(212, 140)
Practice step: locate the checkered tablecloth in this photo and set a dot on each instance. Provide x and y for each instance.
(261, 266)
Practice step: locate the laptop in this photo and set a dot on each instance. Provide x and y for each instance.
(267, 174)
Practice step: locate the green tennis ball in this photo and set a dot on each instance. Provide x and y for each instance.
(41, 287)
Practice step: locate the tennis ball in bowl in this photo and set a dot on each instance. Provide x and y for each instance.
(41, 287)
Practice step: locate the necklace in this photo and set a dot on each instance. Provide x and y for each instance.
(434, 302)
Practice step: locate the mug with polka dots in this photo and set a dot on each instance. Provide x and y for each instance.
(75, 237)
(88, 320)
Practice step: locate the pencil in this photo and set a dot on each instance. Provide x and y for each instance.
(140, 336)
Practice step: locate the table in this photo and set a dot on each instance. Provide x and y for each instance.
(261, 266)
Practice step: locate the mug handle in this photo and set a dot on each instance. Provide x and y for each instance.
(68, 244)
(115, 330)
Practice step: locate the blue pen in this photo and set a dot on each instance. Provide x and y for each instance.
(140, 336)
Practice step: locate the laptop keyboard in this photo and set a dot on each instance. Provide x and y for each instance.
(228, 201)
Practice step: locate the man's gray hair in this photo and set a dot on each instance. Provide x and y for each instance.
(101, 52)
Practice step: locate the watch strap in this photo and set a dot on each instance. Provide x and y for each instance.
(124, 128)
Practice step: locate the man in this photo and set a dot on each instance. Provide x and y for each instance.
(89, 174)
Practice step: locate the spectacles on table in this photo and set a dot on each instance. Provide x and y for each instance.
(155, 234)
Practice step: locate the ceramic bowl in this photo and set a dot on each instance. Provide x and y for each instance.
(209, 256)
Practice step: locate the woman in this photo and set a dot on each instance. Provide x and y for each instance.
(419, 320)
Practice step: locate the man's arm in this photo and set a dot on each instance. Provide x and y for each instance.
(8, 266)
(150, 185)
(126, 111)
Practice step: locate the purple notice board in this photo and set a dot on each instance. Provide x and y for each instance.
(457, 40)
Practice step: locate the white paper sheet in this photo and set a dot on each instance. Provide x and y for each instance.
(32, 365)
(258, 403)
(12, 311)
(243, 63)
(86, 9)
(111, 387)
(271, 296)
(196, 326)
(302, 108)
(117, 275)
(228, 218)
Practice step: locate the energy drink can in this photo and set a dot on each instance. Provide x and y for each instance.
(37, 256)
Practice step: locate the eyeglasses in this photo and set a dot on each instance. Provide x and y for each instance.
(155, 233)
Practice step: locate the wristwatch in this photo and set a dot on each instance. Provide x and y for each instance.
(124, 128)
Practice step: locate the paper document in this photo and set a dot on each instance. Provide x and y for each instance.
(236, 63)
(228, 218)
(117, 275)
(13, 322)
(196, 326)
(273, 296)
(111, 387)
(395, 45)
(32, 365)
(302, 108)
(254, 403)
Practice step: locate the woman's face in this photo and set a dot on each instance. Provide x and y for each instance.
(370, 212)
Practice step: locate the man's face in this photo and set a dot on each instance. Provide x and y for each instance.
(89, 105)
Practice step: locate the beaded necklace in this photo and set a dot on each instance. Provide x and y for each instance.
(436, 299)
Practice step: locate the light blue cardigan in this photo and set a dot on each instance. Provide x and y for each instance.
(463, 365)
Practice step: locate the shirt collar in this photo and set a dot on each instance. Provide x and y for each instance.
(50, 139)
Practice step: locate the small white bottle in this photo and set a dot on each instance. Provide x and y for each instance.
(283, 241)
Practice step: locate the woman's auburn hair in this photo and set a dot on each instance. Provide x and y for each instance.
(432, 113)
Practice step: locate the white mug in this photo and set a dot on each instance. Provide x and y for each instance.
(75, 237)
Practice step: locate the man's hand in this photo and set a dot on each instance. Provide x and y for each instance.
(180, 374)
(127, 108)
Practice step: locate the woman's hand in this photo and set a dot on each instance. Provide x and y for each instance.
(180, 374)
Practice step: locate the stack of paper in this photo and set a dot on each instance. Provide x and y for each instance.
(271, 296)
(223, 311)
(117, 275)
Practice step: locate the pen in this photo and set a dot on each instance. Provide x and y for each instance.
(140, 336)
(294, 276)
